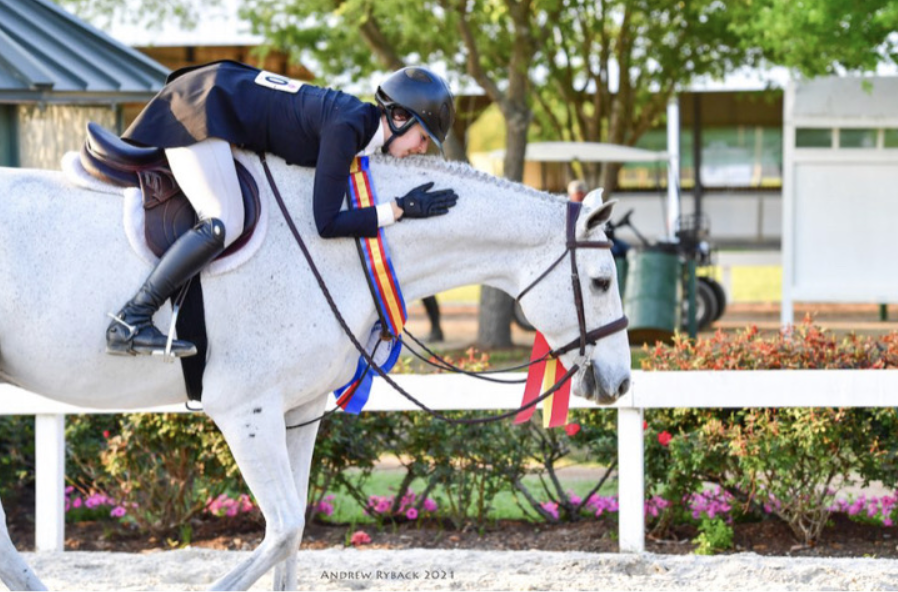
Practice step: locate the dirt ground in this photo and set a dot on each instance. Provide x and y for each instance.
(842, 537)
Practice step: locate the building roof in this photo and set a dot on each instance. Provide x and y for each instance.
(585, 152)
(48, 55)
(845, 101)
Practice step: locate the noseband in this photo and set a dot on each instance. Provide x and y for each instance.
(586, 337)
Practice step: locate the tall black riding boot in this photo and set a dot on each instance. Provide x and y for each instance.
(132, 332)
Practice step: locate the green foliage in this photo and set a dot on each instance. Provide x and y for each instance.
(783, 460)
(349, 442)
(805, 346)
(819, 37)
(164, 468)
(469, 464)
(594, 436)
(715, 535)
(16, 454)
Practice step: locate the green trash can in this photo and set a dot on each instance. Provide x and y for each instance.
(652, 301)
(621, 264)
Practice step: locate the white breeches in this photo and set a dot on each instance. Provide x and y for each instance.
(206, 173)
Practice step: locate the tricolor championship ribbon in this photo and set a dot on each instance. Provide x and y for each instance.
(541, 377)
(387, 295)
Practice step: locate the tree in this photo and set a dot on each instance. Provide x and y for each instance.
(613, 65)
(820, 36)
(492, 41)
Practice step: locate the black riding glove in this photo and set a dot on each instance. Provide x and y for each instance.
(420, 202)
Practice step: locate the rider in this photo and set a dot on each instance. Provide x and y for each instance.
(202, 111)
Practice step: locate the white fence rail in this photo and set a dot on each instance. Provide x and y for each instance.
(651, 390)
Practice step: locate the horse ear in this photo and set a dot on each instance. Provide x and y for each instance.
(596, 216)
(593, 199)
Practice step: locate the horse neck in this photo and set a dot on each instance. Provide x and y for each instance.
(500, 234)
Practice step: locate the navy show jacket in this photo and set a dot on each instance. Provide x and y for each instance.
(312, 127)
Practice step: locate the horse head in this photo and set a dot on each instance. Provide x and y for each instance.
(590, 335)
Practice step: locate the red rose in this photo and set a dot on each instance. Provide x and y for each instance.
(106, 434)
(360, 537)
(645, 425)
(572, 428)
(664, 438)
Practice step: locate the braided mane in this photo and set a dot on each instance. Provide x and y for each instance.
(465, 171)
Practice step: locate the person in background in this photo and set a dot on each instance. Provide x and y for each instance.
(577, 190)
(433, 313)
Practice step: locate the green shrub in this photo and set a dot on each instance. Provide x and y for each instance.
(16, 454)
(469, 464)
(715, 535)
(350, 442)
(164, 468)
(783, 461)
(591, 432)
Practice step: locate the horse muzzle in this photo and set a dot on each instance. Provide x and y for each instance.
(595, 385)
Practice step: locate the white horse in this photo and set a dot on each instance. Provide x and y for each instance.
(276, 350)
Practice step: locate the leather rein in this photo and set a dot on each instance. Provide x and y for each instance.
(586, 337)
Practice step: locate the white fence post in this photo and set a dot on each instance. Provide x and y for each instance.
(49, 473)
(631, 480)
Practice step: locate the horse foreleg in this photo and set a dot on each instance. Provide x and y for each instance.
(256, 434)
(300, 445)
(14, 572)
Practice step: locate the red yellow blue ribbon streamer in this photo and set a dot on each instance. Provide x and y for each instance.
(541, 377)
(387, 293)
(376, 254)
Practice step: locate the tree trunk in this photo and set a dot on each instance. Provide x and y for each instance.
(497, 307)
(494, 321)
(454, 147)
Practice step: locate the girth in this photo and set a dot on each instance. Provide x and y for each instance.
(167, 211)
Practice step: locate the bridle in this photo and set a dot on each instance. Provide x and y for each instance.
(586, 337)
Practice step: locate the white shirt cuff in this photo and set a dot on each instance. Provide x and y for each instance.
(385, 214)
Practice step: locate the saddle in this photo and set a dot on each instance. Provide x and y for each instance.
(167, 211)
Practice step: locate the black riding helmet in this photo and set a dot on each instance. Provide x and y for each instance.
(425, 96)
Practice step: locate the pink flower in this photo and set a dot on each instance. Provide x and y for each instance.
(430, 505)
(411, 514)
(77, 502)
(664, 438)
(117, 512)
(360, 537)
(106, 434)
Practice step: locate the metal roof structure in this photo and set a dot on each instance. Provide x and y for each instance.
(48, 55)
(585, 152)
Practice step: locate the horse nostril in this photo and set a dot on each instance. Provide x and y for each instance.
(623, 388)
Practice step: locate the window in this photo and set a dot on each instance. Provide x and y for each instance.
(857, 138)
(890, 138)
(9, 152)
(813, 138)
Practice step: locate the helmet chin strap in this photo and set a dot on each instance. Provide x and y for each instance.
(395, 131)
(385, 149)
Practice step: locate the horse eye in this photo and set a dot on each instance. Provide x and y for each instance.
(601, 284)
